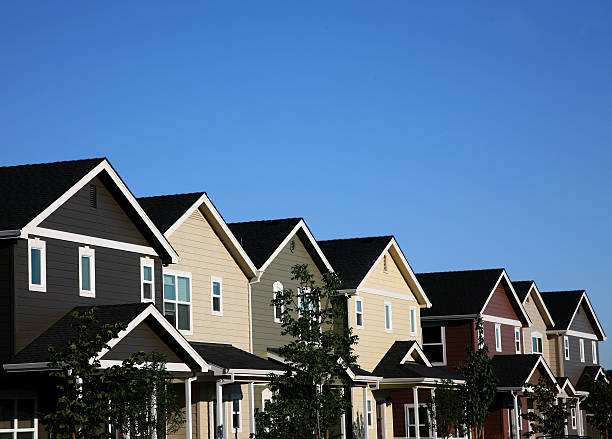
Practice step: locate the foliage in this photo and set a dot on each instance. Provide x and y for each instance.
(446, 409)
(599, 405)
(307, 399)
(478, 392)
(550, 415)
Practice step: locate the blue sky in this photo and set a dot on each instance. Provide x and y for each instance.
(478, 133)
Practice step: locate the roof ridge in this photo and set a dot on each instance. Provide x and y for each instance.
(171, 195)
(462, 271)
(268, 220)
(562, 291)
(356, 238)
(56, 162)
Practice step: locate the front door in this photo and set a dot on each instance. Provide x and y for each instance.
(380, 420)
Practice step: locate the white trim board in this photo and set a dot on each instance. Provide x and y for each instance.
(588, 302)
(415, 347)
(539, 303)
(391, 294)
(502, 320)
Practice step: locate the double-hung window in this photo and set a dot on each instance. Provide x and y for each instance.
(411, 422)
(370, 413)
(498, 339)
(216, 288)
(236, 418)
(581, 350)
(177, 300)
(388, 317)
(18, 418)
(566, 350)
(37, 265)
(536, 343)
(278, 308)
(594, 351)
(147, 280)
(358, 312)
(413, 320)
(87, 272)
(434, 344)
(517, 340)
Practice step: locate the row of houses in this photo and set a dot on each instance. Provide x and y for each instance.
(199, 290)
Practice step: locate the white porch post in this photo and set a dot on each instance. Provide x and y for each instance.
(365, 413)
(433, 423)
(188, 414)
(252, 407)
(579, 417)
(219, 410)
(557, 403)
(343, 420)
(517, 432)
(415, 398)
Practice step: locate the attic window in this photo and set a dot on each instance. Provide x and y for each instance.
(93, 196)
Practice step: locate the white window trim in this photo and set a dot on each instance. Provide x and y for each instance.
(266, 395)
(537, 335)
(498, 340)
(581, 341)
(573, 417)
(91, 254)
(276, 287)
(147, 262)
(388, 304)
(15, 429)
(219, 280)
(594, 351)
(231, 416)
(187, 274)
(443, 338)
(37, 243)
(371, 412)
(566, 347)
(517, 331)
(413, 321)
(358, 326)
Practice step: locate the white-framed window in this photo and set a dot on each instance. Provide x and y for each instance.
(434, 344)
(305, 302)
(536, 343)
(410, 421)
(266, 397)
(216, 289)
(18, 418)
(413, 320)
(370, 413)
(573, 416)
(147, 280)
(594, 351)
(388, 317)
(177, 300)
(498, 339)
(581, 350)
(87, 272)
(566, 350)
(37, 265)
(277, 287)
(358, 312)
(517, 340)
(236, 415)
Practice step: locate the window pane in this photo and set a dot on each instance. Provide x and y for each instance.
(423, 430)
(146, 291)
(170, 313)
(6, 435)
(169, 287)
(7, 413)
(25, 413)
(36, 267)
(85, 273)
(359, 319)
(24, 435)
(358, 304)
(216, 304)
(183, 317)
(411, 432)
(278, 311)
(412, 320)
(148, 273)
(387, 317)
(183, 289)
(411, 417)
(216, 288)
(432, 334)
(434, 353)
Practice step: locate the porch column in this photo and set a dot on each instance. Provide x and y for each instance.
(557, 403)
(434, 424)
(517, 432)
(415, 400)
(252, 407)
(188, 414)
(578, 417)
(220, 426)
(342, 420)
(365, 413)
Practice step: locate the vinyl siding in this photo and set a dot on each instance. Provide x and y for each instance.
(6, 300)
(537, 325)
(266, 333)
(581, 321)
(507, 339)
(142, 338)
(573, 367)
(204, 255)
(459, 335)
(499, 305)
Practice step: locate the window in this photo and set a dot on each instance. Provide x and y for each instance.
(434, 344)
(566, 347)
(216, 287)
(359, 312)
(18, 419)
(278, 309)
(388, 317)
(177, 299)
(369, 414)
(573, 415)
(236, 418)
(411, 421)
(147, 280)
(413, 321)
(498, 340)
(536, 343)
(37, 262)
(517, 340)
(87, 272)
(594, 351)
(581, 350)
(266, 397)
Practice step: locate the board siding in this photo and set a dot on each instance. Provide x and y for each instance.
(573, 367)
(141, 338)
(537, 325)
(6, 301)
(499, 305)
(581, 321)
(459, 335)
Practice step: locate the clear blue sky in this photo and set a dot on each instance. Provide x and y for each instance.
(478, 133)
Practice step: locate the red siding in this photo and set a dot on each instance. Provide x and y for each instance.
(399, 398)
(497, 424)
(507, 336)
(459, 335)
(500, 305)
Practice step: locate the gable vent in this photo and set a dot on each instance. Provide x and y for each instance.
(93, 196)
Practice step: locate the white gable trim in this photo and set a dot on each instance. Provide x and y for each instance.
(551, 375)
(505, 276)
(588, 302)
(533, 289)
(103, 166)
(415, 347)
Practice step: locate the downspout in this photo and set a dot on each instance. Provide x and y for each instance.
(517, 434)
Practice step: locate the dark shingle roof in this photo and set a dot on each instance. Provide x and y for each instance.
(458, 292)
(27, 190)
(585, 382)
(60, 333)
(230, 357)
(165, 210)
(352, 258)
(389, 366)
(261, 238)
(561, 306)
(514, 370)
(522, 288)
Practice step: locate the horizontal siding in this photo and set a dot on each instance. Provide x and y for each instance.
(6, 302)
(390, 280)
(142, 338)
(459, 336)
(537, 325)
(581, 321)
(573, 367)
(507, 336)
(499, 305)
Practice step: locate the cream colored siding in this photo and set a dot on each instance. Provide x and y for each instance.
(537, 325)
(204, 256)
(266, 332)
(391, 280)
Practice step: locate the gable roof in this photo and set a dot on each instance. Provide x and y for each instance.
(563, 306)
(263, 240)
(229, 359)
(524, 289)
(354, 259)
(589, 374)
(170, 211)
(514, 371)
(30, 193)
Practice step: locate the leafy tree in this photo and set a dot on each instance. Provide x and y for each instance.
(478, 392)
(446, 409)
(550, 415)
(307, 399)
(599, 404)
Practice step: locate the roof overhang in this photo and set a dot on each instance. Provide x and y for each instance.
(535, 293)
(549, 373)
(585, 298)
(522, 313)
(412, 381)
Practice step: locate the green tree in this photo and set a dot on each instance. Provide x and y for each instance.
(478, 392)
(307, 399)
(599, 405)
(446, 409)
(550, 415)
